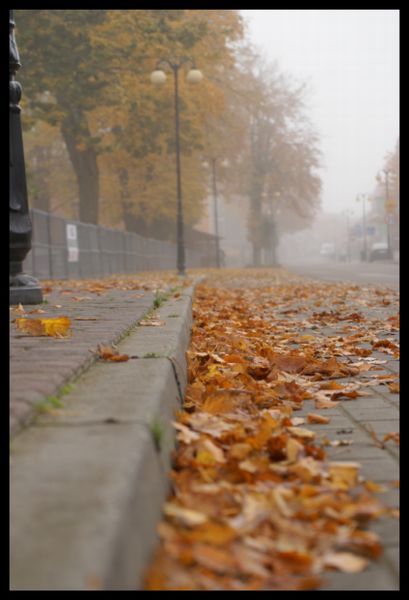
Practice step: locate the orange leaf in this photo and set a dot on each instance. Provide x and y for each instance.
(394, 435)
(111, 354)
(218, 404)
(216, 534)
(216, 559)
(320, 419)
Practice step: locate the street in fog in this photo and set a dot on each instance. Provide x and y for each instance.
(376, 273)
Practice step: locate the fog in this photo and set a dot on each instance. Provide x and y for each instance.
(350, 59)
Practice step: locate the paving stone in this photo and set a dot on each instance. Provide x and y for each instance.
(377, 577)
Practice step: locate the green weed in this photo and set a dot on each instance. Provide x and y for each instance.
(157, 430)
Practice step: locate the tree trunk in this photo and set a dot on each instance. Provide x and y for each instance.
(83, 155)
(256, 223)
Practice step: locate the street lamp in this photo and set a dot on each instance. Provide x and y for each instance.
(364, 251)
(348, 213)
(224, 163)
(389, 205)
(23, 288)
(158, 77)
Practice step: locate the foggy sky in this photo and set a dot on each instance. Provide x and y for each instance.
(350, 59)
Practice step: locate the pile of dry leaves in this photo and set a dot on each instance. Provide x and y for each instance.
(256, 504)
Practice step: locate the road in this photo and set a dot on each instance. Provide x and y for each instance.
(376, 273)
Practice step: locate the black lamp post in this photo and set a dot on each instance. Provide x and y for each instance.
(23, 288)
(158, 77)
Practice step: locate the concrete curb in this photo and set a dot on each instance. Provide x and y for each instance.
(88, 482)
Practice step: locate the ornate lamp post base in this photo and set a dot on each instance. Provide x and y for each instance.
(24, 289)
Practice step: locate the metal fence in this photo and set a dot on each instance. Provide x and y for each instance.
(66, 249)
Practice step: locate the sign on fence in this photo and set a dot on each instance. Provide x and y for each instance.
(72, 242)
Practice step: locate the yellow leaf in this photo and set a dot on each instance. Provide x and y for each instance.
(53, 327)
(301, 432)
(344, 475)
(294, 449)
(56, 327)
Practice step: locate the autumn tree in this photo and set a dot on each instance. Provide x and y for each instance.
(87, 73)
(63, 77)
(140, 154)
(277, 166)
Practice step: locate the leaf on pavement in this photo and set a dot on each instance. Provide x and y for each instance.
(318, 419)
(346, 562)
(393, 435)
(343, 475)
(111, 354)
(152, 322)
(53, 327)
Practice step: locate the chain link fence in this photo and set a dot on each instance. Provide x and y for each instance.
(67, 249)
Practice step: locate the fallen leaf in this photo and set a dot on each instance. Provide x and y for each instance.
(81, 298)
(53, 327)
(294, 449)
(321, 402)
(214, 450)
(301, 432)
(320, 419)
(393, 435)
(19, 309)
(152, 322)
(346, 562)
(373, 486)
(343, 475)
(86, 319)
(218, 559)
(111, 354)
(185, 516)
(185, 435)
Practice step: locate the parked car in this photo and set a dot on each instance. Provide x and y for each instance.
(379, 251)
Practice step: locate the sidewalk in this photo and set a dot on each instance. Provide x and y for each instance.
(89, 473)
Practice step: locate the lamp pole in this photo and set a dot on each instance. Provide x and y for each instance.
(216, 217)
(388, 225)
(158, 77)
(347, 215)
(23, 288)
(364, 251)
